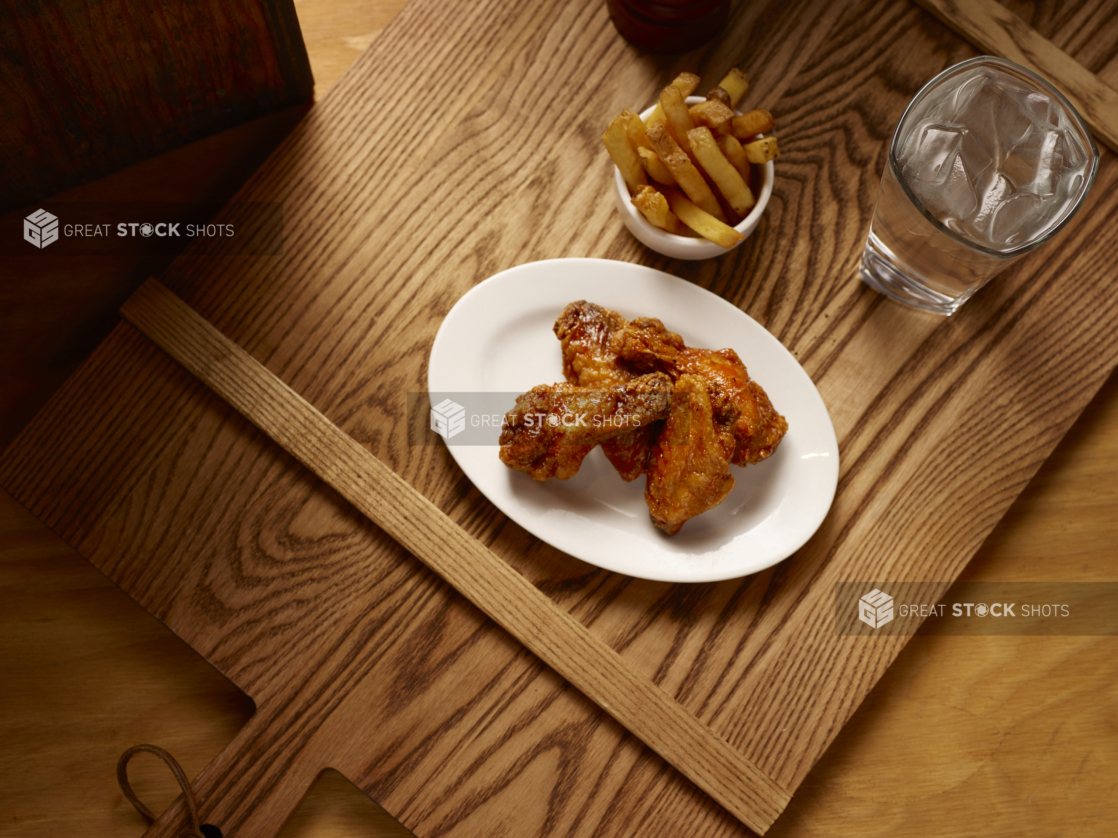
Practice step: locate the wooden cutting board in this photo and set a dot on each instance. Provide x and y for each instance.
(361, 660)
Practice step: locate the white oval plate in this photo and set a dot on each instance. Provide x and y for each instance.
(498, 338)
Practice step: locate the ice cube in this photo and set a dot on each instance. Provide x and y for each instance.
(1042, 108)
(1049, 165)
(1035, 164)
(1015, 116)
(1021, 167)
(979, 116)
(998, 192)
(1015, 221)
(929, 156)
(953, 197)
(966, 91)
(979, 153)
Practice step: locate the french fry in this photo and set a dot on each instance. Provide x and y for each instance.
(634, 127)
(684, 171)
(702, 222)
(677, 116)
(762, 150)
(720, 170)
(655, 167)
(719, 95)
(735, 84)
(654, 206)
(638, 138)
(713, 114)
(755, 122)
(685, 83)
(617, 143)
(734, 152)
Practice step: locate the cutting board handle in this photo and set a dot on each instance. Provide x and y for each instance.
(252, 787)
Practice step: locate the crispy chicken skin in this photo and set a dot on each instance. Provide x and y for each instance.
(587, 334)
(689, 469)
(553, 427)
(628, 452)
(737, 400)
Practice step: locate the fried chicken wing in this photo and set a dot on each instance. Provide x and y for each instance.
(689, 468)
(553, 427)
(756, 425)
(628, 452)
(645, 344)
(587, 334)
(737, 400)
(719, 416)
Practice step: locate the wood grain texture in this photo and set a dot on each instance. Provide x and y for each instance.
(336, 32)
(474, 571)
(86, 89)
(475, 738)
(991, 26)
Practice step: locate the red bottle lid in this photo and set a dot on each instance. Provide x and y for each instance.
(668, 26)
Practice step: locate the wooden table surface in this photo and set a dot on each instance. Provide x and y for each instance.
(1016, 735)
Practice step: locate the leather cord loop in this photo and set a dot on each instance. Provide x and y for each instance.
(195, 828)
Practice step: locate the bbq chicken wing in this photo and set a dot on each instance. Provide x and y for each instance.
(689, 468)
(553, 427)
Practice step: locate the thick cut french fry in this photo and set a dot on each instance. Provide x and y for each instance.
(638, 138)
(654, 206)
(713, 114)
(702, 222)
(685, 83)
(719, 95)
(758, 121)
(762, 150)
(734, 152)
(684, 171)
(617, 143)
(735, 84)
(677, 116)
(720, 170)
(656, 168)
(634, 126)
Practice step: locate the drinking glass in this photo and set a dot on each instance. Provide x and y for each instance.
(988, 162)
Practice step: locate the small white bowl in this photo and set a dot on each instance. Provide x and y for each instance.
(685, 247)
